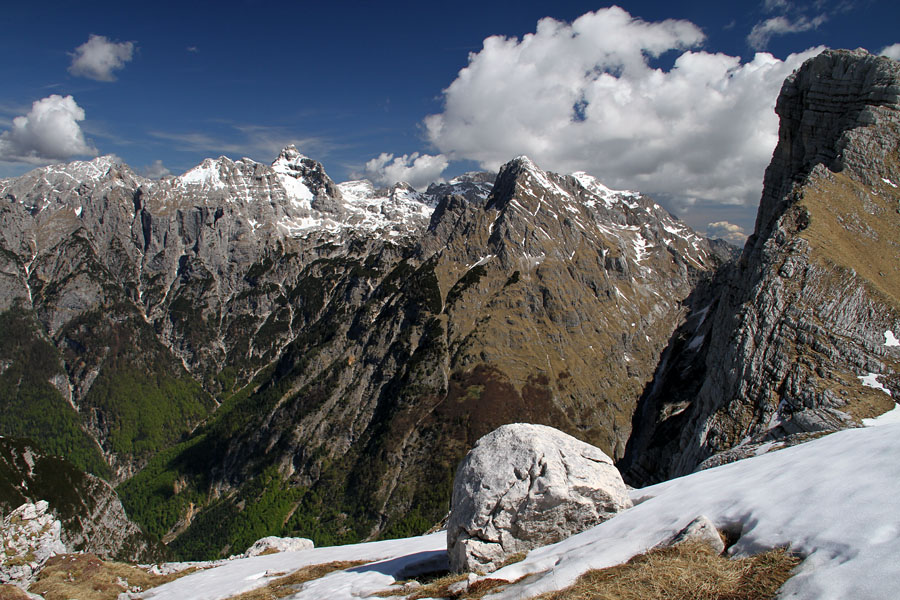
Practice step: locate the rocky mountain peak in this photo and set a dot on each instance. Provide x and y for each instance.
(792, 340)
(839, 110)
(289, 155)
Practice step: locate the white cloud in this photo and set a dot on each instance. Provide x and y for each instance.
(729, 232)
(98, 57)
(775, 5)
(583, 97)
(49, 132)
(763, 31)
(418, 170)
(156, 170)
(892, 51)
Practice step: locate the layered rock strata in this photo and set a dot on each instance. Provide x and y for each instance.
(797, 337)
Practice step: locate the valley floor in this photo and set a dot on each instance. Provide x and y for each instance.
(834, 501)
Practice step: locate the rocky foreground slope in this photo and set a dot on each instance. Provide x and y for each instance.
(798, 337)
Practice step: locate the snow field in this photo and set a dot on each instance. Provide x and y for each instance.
(835, 501)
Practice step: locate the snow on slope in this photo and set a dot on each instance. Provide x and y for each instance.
(390, 559)
(835, 500)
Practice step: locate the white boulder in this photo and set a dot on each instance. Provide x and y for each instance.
(268, 545)
(524, 486)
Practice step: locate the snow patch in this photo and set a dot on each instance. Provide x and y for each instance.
(889, 182)
(296, 190)
(784, 498)
(640, 247)
(205, 175)
(890, 339)
(891, 417)
(241, 575)
(481, 261)
(871, 380)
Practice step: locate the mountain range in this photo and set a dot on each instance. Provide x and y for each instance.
(253, 349)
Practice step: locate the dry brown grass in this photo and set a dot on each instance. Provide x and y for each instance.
(285, 586)
(689, 571)
(854, 228)
(86, 577)
(11, 592)
(439, 588)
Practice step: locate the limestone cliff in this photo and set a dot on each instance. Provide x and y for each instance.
(797, 338)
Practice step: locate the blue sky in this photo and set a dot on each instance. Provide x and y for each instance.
(668, 98)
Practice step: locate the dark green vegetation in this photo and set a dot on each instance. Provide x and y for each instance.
(285, 479)
(32, 407)
(26, 475)
(49, 478)
(142, 400)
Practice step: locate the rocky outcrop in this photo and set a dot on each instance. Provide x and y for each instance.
(272, 544)
(88, 512)
(699, 531)
(29, 536)
(784, 343)
(524, 486)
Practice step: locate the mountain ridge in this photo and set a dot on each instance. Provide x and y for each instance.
(371, 351)
(784, 339)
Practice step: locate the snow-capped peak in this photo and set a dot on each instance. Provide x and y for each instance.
(593, 185)
(206, 174)
(289, 160)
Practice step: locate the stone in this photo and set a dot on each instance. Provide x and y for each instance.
(270, 544)
(700, 530)
(28, 538)
(524, 486)
(461, 587)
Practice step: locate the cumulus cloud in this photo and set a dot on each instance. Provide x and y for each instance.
(729, 232)
(584, 97)
(156, 170)
(418, 170)
(48, 133)
(98, 57)
(892, 51)
(763, 31)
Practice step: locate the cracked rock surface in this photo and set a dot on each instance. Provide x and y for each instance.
(524, 486)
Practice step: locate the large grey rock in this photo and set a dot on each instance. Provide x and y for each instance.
(524, 486)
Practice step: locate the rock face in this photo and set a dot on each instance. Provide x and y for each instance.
(524, 486)
(794, 338)
(28, 538)
(272, 543)
(87, 508)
